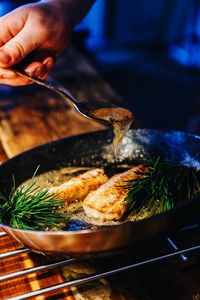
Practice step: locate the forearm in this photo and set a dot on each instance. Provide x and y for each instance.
(74, 9)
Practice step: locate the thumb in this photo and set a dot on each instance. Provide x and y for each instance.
(16, 49)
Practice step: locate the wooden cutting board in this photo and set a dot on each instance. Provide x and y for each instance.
(3, 155)
(38, 119)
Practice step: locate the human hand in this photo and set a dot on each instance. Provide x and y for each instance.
(41, 28)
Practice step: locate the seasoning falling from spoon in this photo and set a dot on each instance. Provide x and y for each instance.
(121, 119)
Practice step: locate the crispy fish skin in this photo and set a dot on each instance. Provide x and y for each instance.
(77, 188)
(107, 202)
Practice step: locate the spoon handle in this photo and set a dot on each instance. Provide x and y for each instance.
(67, 95)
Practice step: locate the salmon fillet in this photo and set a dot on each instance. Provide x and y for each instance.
(77, 188)
(107, 202)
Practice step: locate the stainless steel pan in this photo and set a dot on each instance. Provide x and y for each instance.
(94, 149)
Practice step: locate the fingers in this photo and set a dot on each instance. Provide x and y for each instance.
(19, 81)
(49, 63)
(35, 68)
(41, 69)
(7, 74)
(38, 69)
(11, 78)
(16, 49)
(10, 25)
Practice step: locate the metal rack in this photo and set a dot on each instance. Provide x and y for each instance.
(172, 251)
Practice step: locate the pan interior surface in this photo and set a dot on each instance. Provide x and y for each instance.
(94, 149)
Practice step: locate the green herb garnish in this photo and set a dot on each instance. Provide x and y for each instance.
(161, 187)
(31, 208)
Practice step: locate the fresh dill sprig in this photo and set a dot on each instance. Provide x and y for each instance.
(161, 187)
(31, 207)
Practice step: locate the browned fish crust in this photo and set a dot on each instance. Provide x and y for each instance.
(107, 202)
(77, 188)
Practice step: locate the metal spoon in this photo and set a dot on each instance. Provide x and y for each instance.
(86, 108)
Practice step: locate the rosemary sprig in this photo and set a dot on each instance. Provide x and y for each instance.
(161, 187)
(31, 208)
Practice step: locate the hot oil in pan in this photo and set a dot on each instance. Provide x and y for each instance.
(78, 220)
(121, 119)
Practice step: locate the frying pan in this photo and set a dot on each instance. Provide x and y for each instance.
(94, 149)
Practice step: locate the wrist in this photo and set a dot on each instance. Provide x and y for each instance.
(71, 10)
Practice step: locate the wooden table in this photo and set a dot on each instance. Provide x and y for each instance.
(31, 116)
